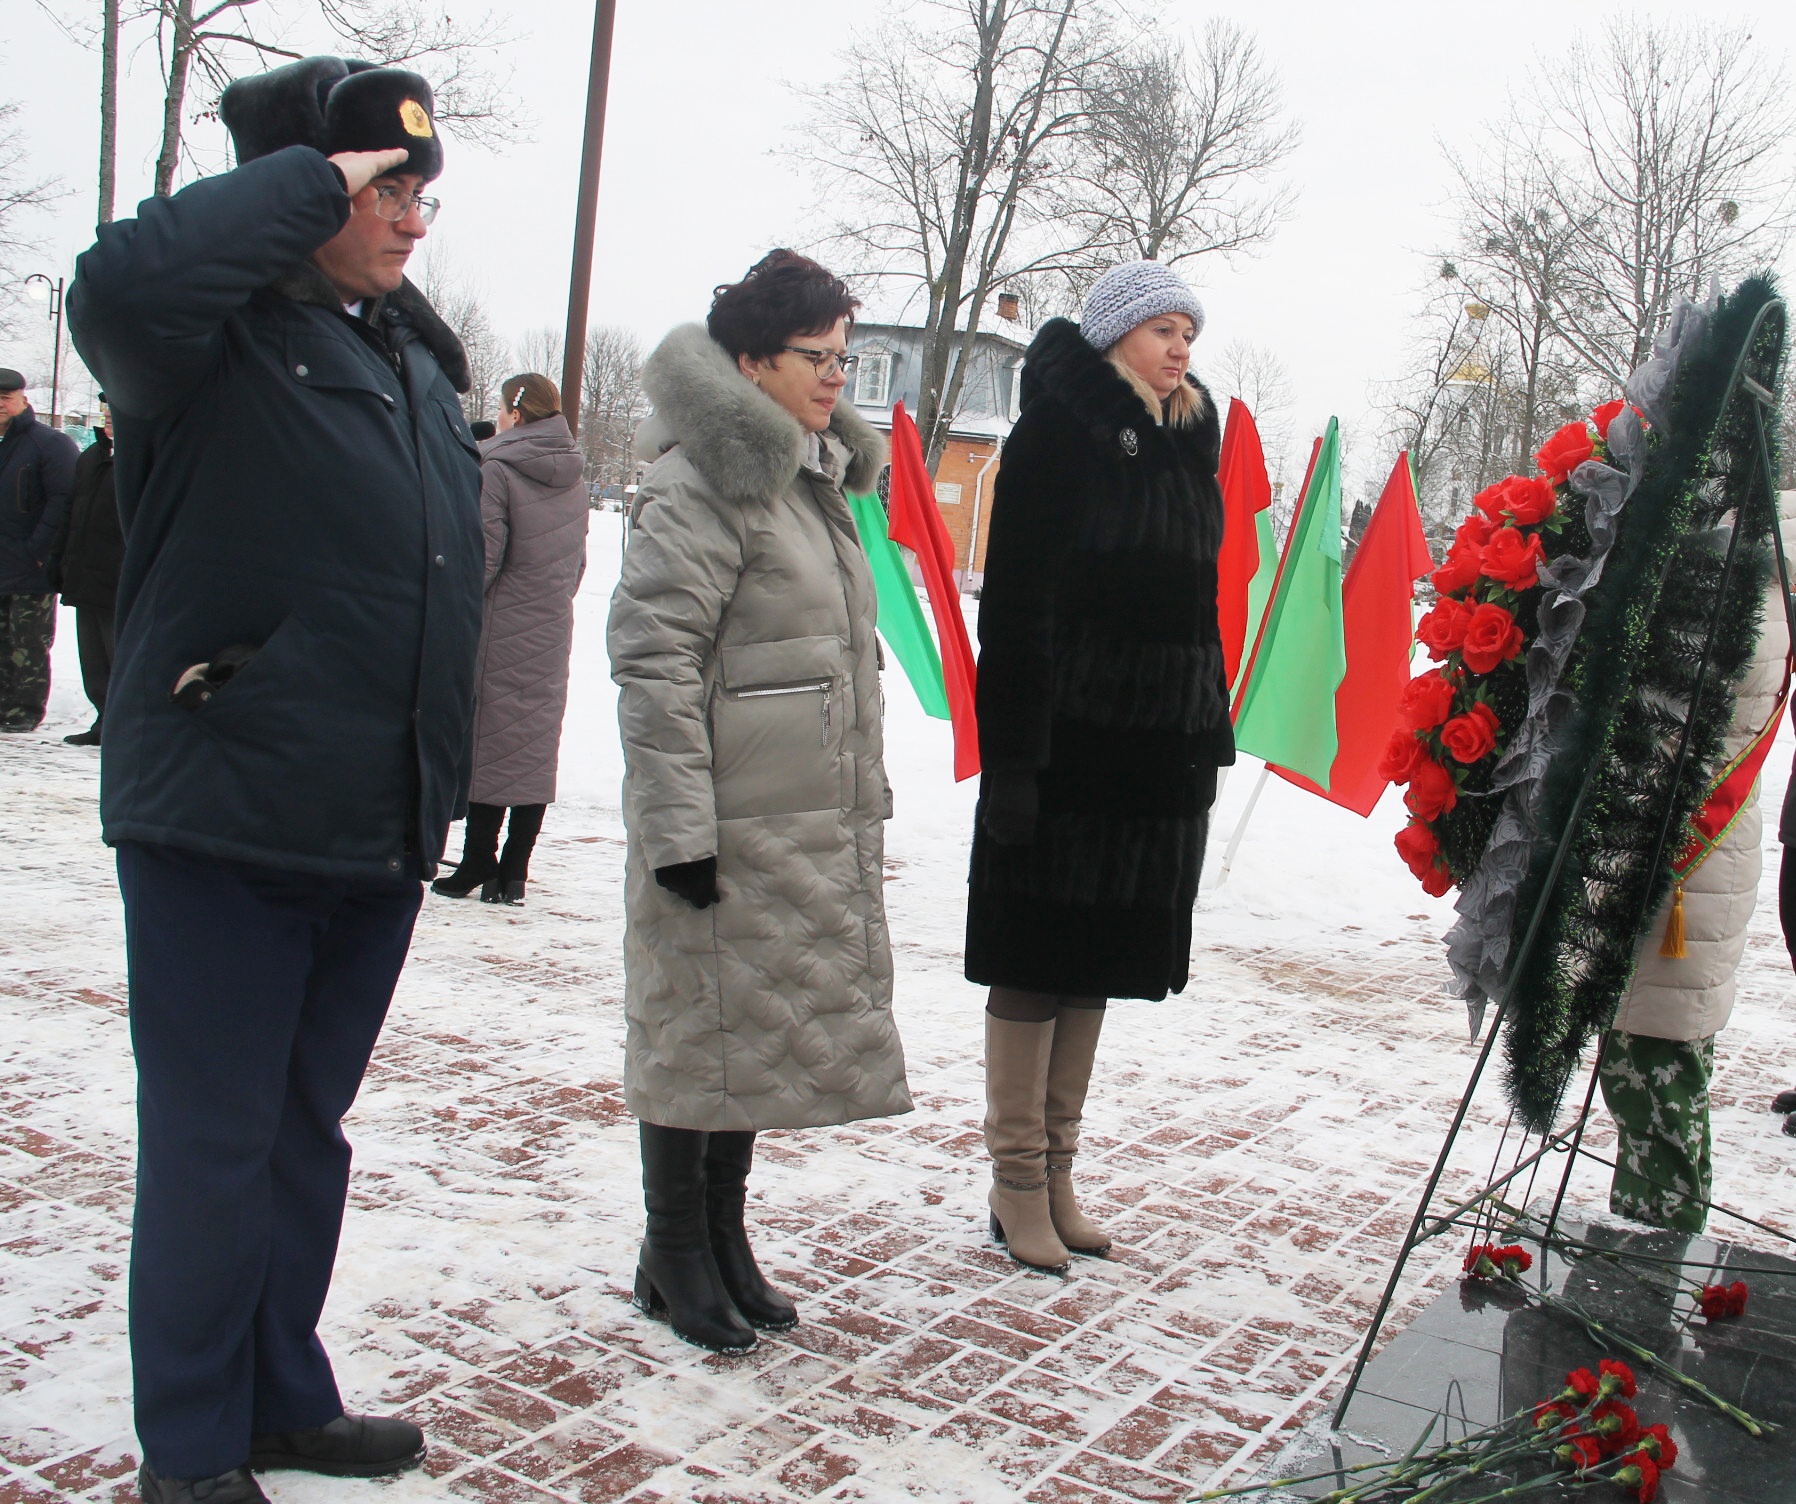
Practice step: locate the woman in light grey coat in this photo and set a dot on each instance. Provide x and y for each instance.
(758, 975)
(534, 506)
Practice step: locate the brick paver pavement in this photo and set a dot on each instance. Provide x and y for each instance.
(1256, 1146)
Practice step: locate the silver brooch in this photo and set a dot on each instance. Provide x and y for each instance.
(1130, 444)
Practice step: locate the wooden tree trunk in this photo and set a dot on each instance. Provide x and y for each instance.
(108, 109)
(180, 60)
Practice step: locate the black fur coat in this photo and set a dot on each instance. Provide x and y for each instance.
(1100, 672)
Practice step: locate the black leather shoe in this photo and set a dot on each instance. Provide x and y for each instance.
(351, 1446)
(87, 738)
(677, 1274)
(728, 1157)
(1784, 1101)
(234, 1487)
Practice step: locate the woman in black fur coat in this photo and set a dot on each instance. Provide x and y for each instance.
(1103, 716)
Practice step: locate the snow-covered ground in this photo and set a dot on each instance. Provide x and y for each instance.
(1257, 1144)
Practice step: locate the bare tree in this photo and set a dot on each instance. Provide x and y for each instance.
(1259, 378)
(1176, 148)
(539, 350)
(109, 40)
(1665, 148)
(21, 196)
(932, 149)
(612, 404)
(459, 301)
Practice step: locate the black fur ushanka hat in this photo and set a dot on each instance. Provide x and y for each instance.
(335, 104)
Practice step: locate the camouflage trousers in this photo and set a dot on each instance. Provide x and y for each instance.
(1657, 1090)
(27, 628)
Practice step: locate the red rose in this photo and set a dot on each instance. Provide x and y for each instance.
(1459, 572)
(1427, 700)
(1512, 558)
(1526, 499)
(1605, 415)
(1564, 452)
(1417, 845)
(1399, 757)
(1473, 736)
(1443, 629)
(1475, 530)
(1437, 880)
(1432, 791)
(1491, 637)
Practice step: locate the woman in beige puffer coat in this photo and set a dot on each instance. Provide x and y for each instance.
(758, 975)
(1660, 1050)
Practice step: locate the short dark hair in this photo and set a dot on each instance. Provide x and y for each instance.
(783, 294)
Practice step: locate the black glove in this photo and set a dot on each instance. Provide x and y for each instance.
(1009, 808)
(696, 882)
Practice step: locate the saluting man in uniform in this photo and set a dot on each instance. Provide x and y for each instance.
(287, 730)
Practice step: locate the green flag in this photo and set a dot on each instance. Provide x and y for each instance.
(1259, 587)
(1286, 712)
(901, 620)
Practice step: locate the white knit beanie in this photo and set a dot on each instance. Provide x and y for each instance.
(1132, 294)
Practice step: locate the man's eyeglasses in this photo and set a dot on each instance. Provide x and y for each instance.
(824, 362)
(394, 203)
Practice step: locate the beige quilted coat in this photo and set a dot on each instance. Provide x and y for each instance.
(741, 639)
(1693, 998)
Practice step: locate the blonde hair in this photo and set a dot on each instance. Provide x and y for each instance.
(1181, 410)
(531, 397)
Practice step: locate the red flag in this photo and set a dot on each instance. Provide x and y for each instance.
(1246, 491)
(1376, 606)
(914, 521)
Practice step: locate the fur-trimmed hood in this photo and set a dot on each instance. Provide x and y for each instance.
(742, 442)
(1061, 364)
(405, 308)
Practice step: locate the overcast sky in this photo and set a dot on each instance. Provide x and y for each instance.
(694, 187)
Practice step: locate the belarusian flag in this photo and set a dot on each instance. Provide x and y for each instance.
(1249, 555)
(1377, 611)
(1285, 712)
(914, 521)
(900, 612)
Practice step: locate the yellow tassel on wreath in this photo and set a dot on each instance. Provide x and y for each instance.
(1673, 947)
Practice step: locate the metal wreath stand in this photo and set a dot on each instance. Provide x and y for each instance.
(1753, 382)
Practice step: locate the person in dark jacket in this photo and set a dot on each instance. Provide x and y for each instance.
(37, 472)
(287, 730)
(90, 566)
(1103, 717)
(534, 505)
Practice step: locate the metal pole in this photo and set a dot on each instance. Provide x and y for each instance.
(56, 358)
(586, 214)
(1228, 856)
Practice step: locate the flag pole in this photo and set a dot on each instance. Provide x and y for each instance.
(586, 213)
(1228, 856)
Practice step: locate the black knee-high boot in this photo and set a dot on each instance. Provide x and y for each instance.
(727, 1160)
(677, 1274)
(507, 885)
(479, 852)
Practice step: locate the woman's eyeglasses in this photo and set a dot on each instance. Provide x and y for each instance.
(824, 362)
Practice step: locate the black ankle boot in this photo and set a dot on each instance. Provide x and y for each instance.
(677, 1275)
(499, 890)
(727, 1160)
(474, 872)
(479, 853)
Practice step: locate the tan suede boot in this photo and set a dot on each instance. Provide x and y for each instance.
(1069, 1075)
(1016, 1070)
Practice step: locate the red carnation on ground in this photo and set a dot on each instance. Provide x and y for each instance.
(1460, 571)
(1580, 1383)
(1514, 1259)
(1564, 452)
(1548, 1414)
(1513, 558)
(1473, 736)
(1432, 791)
(1442, 630)
(1656, 1442)
(1641, 1474)
(1617, 1378)
(1491, 637)
(1718, 1302)
(1615, 1425)
(1581, 1453)
(1427, 700)
(1400, 757)
(1605, 415)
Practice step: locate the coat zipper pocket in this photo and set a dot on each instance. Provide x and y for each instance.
(821, 686)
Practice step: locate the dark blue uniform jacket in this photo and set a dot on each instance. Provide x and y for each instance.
(296, 481)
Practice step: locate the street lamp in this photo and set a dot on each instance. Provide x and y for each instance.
(54, 289)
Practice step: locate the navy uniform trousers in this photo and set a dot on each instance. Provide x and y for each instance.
(256, 998)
